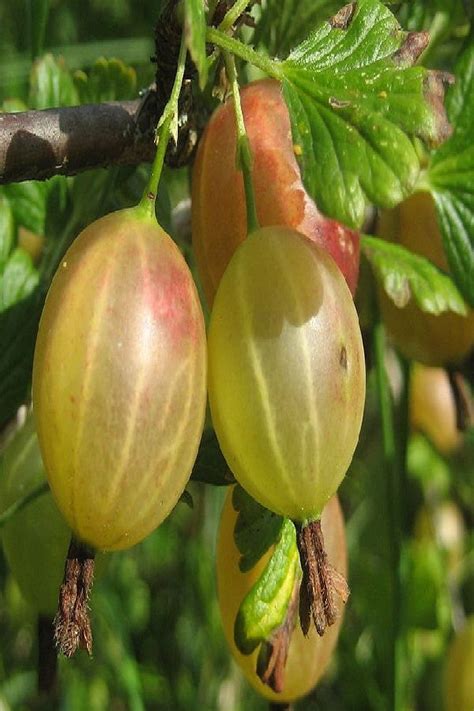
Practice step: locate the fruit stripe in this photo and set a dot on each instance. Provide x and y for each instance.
(185, 374)
(75, 482)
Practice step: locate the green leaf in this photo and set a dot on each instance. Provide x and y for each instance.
(18, 327)
(108, 80)
(28, 203)
(18, 278)
(7, 230)
(264, 607)
(451, 176)
(428, 467)
(355, 103)
(284, 23)
(256, 528)
(210, 466)
(13, 105)
(195, 35)
(405, 275)
(37, 16)
(51, 84)
(21, 294)
(90, 194)
(444, 19)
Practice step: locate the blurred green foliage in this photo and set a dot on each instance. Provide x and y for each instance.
(158, 637)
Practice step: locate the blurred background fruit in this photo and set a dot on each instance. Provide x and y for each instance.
(432, 340)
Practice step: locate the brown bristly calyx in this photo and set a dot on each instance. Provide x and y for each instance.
(72, 628)
(273, 653)
(321, 582)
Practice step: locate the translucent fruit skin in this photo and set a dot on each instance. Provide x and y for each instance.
(219, 222)
(286, 372)
(432, 340)
(308, 657)
(119, 381)
(36, 539)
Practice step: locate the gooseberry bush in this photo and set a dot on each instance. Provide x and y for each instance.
(300, 255)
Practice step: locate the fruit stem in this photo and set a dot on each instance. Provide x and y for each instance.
(72, 628)
(168, 124)
(243, 152)
(233, 14)
(271, 67)
(47, 659)
(20, 504)
(393, 512)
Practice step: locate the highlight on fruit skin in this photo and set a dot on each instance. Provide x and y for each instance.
(35, 540)
(119, 381)
(433, 407)
(218, 203)
(308, 657)
(286, 372)
(431, 340)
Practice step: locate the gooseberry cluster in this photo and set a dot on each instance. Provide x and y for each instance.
(122, 370)
(286, 361)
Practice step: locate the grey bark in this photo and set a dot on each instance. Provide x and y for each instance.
(34, 145)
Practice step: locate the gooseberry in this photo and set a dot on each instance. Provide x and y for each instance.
(444, 525)
(218, 203)
(433, 408)
(432, 340)
(286, 372)
(119, 381)
(308, 656)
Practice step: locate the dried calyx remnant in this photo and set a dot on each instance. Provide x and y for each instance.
(72, 628)
(321, 581)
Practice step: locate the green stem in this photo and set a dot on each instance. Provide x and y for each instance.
(20, 504)
(233, 14)
(244, 152)
(393, 511)
(167, 123)
(272, 67)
